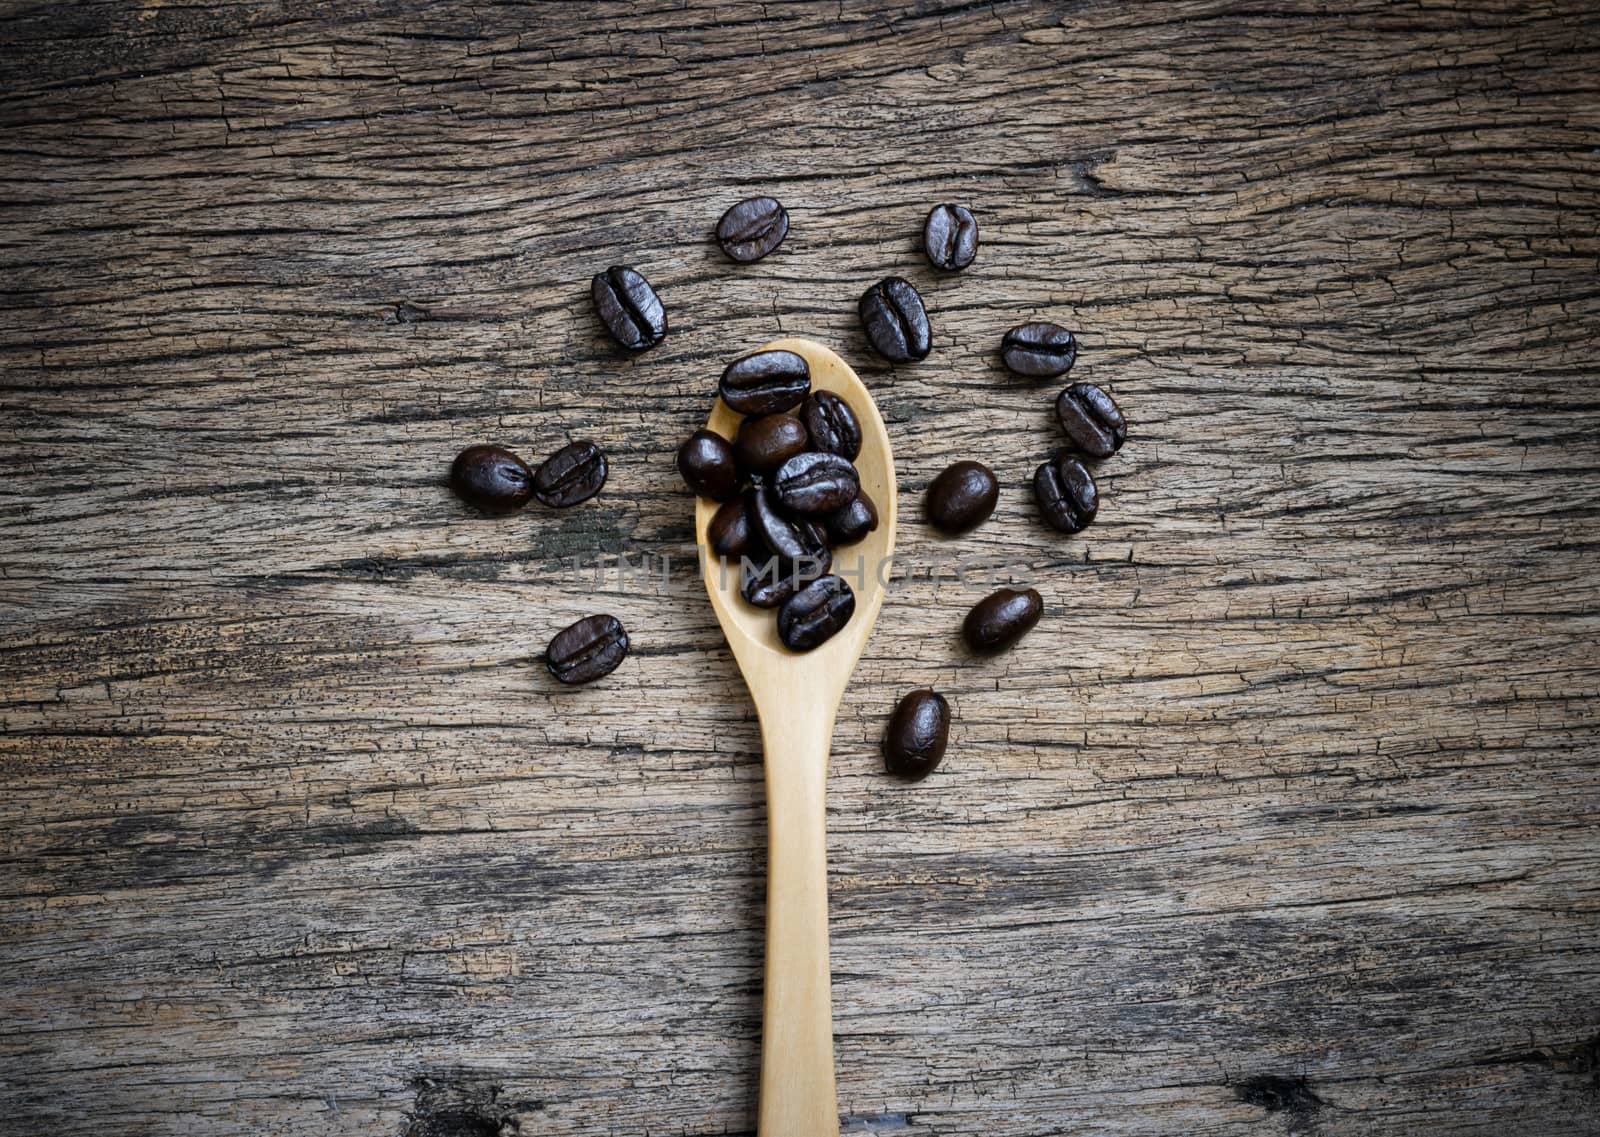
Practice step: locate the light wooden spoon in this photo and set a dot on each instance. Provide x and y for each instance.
(797, 697)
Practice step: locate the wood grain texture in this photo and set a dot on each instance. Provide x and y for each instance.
(1286, 818)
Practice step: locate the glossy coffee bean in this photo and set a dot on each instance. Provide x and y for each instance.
(707, 464)
(491, 478)
(894, 320)
(918, 731)
(813, 615)
(832, 425)
(572, 474)
(752, 229)
(789, 537)
(950, 237)
(1066, 494)
(587, 650)
(852, 523)
(765, 382)
(962, 497)
(729, 533)
(628, 307)
(998, 621)
(816, 483)
(766, 442)
(768, 582)
(1092, 420)
(1039, 350)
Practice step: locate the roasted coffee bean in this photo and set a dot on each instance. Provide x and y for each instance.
(752, 229)
(708, 465)
(729, 532)
(788, 537)
(895, 322)
(917, 734)
(628, 307)
(1066, 494)
(962, 497)
(950, 237)
(768, 582)
(848, 525)
(766, 442)
(587, 650)
(1093, 422)
(491, 478)
(833, 426)
(1039, 350)
(998, 621)
(765, 382)
(816, 483)
(811, 616)
(572, 474)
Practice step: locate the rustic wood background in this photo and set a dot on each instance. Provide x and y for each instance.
(1285, 819)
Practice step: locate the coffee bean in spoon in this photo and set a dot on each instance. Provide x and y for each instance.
(765, 442)
(816, 482)
(491, 478)
(950, 237)
(918, 732)
(852, 523)
(832, 425)
(1040, 350)
(894, 320)
(628, 307)
(811, 617)
(1000, 620)
(1066, 494)
(708, 465)
(962, 497)
(765, 382)
(1091, 419)
(751, 229)
(587, 650)
(573, 474)
(768, 581)
(791, 538)
(729, 532)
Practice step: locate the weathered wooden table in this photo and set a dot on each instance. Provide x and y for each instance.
(1284, 819)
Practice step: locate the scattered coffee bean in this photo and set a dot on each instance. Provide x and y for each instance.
(628, 307)
(752, 229)
(918, 732)
(1039, 350)
(962, 497)
(788, 537)
(765, 382)
(1066, 494)
(491, 478)
(729, 532)
(1092, 420)
(766, 442)
(833, 426)
(572, 474)
(811, 616)
(816, 483)
(895, 322)
(707, 464)
(998, 621)
(950, 237)
(852, 523)
(587, 650)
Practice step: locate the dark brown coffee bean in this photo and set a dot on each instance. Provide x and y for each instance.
(1039, 350)
(587, 650)
(918, 732)
(962, 497)
(491, 478)
(1066, 494)
(572, 474)
(816, 483)
(765, 382)
(833, 426)
(628, 307)
(894, 320)
(729, 533)
(1092, 421)
(766, 442)
(790, 538)
(998, 621)
(707, 464)
(813, 615)
(752, 229)
(768, 582)
(852, 523)
(950, 237)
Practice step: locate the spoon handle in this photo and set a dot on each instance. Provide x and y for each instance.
(797, 1090)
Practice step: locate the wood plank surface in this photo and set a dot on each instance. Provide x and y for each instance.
(1285, 819)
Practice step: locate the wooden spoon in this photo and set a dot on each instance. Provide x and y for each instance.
(797, 697)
